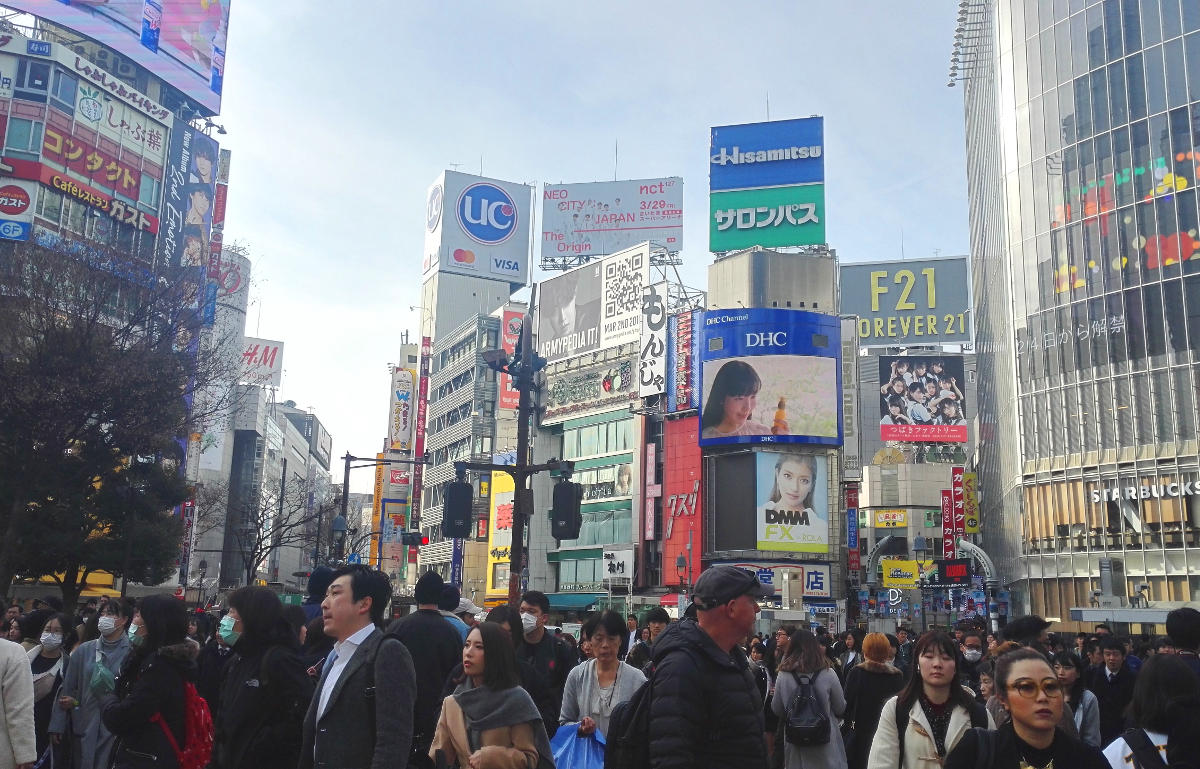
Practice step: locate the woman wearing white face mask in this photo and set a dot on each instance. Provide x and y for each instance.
(48, 661)
(92, 674)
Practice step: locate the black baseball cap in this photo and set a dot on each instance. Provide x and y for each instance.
(721, 584)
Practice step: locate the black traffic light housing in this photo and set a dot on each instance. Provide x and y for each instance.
(456, 510)
(414, 539)
(565, 518)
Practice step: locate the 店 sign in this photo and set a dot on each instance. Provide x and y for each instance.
(891, 519)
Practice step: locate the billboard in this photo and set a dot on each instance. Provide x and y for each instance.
(262, 362)
(922, 301)
(400, 415)
(510, 332)
(683, 362)
(772, 217)
(921, 399)
(792, 503)
(683, 497)
(900, 573)
(500, 523)
(771, 154)
(189, 190)
(851, 445)
(181, 41)
(477, 226)
(593, 307)
(771, 376)
(604, 217)
(652, 354)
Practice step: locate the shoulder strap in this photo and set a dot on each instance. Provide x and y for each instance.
(985, 748)
(1145, 753)
(901, 727)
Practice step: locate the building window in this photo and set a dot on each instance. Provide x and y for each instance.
(50, 204)
(150, 192)
(24, 139)
(33, 79)
(63, 93)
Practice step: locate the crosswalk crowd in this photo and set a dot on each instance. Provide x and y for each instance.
(330, 684)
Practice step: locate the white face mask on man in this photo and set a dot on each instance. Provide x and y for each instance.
(528, 623)
(106, 625)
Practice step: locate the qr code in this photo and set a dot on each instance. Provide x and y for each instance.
(623, 285)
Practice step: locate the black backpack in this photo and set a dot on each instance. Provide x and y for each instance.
(1145, 752)
(807, 723)
(627, 743)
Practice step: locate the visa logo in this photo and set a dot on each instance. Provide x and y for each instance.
(506, 265)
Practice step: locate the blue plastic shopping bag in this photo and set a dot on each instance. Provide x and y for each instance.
(573, 751)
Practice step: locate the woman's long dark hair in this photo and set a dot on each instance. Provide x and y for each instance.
(499, 658)
(805, 654)
(262, 618)
(1067, 659)
(166, 624)
(915, 687)
(735, 378)
(1162, 682)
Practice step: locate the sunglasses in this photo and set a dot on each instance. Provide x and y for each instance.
(1029, 688)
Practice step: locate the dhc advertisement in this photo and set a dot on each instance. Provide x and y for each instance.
(770, 376)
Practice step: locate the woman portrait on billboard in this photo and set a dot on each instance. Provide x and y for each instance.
(947, 413)
(795, 477)
(729, 410)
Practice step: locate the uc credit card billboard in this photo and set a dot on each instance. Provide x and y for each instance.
(770, 376)
(477, 226)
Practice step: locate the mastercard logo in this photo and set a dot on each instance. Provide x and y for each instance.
(464, 256)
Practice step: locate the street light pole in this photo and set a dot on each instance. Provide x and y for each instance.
(523, 494)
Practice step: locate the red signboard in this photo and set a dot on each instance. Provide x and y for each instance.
(13, 200)
(948, 549)
(60, 182)
(937, 433)
(959, 497)
(510, 330)
(418, 471)
(682, 498)
(652, 490)
(92, 162)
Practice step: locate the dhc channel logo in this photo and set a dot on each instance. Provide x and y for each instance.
(487, 214)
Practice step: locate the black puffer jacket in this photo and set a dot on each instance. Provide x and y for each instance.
(264, 697)
(157, 686)
(705, 706)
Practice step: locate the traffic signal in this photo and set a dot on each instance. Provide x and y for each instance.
(565, 518)
(415, 539)
(456, 510)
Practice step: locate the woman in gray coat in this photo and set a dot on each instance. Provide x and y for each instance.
(596, 687)
(806, 657)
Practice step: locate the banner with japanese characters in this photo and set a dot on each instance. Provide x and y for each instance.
(652, 359)
(773, 217)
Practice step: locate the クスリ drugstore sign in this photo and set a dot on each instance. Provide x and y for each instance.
(1147, 491)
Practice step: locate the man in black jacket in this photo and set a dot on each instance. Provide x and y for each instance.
(550, 657)
(436, 648)
(1112, 683)
(705, 709)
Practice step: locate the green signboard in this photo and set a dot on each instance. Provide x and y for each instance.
(770, 217)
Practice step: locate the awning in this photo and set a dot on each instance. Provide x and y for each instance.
(573, 601)
(96, 591)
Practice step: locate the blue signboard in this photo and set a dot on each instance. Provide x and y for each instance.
(10, 230)
(774, 154)
(456, 563)
(852, 528)
(770, 376)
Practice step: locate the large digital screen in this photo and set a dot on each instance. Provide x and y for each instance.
(792, 510)
(181, 41)
(593, 307)
(923, 301)
(770, 376)
(921, 398)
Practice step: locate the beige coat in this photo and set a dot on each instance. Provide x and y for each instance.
(920, 752)
(17, 742)
(509, 747)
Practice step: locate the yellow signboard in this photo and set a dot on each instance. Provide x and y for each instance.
(971, 502)
(900, 573)
(377, 511)
(891, 519)
(500, 521)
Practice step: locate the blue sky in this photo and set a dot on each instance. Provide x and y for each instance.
(338, 122)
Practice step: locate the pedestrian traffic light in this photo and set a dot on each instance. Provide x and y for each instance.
(456, 510)
(565, 518)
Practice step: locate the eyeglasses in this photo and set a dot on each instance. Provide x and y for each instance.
(1029, 689)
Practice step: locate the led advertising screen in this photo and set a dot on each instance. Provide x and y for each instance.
(770, 376)
(181, 41)
(921, 399)
(605, 217)
(593, 307)
(922, 301)
(792, 510)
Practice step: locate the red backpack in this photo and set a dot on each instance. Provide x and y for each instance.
(197, 730)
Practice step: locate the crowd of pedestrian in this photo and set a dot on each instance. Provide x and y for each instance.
(328, 684)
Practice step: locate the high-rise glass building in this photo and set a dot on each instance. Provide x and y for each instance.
(1083, 154)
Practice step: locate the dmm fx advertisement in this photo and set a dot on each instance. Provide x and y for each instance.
(923, 301)
(771, 376)
(792, 511)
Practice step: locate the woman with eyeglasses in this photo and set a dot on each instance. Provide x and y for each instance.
(1085, 708)
(922, 724)
(1033, 696)
(594, 688)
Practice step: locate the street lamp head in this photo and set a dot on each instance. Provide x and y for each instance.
(681, 562)
(338, 528)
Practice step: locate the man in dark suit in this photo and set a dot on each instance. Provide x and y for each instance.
(361, 715)
(1112, 683)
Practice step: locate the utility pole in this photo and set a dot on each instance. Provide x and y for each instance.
(523, 494)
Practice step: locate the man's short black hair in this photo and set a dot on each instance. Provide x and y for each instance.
(1103, 625)
(973, 634)
(1108, 643)
(537, 598)
(1183, 628)
(658, 614)
(1025, 630)
(365, 582)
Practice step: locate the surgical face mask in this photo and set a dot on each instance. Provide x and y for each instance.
(973, 655)
(106, 625)
(51, 641)
(226, 631)
(134, 638)
(528, 623)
